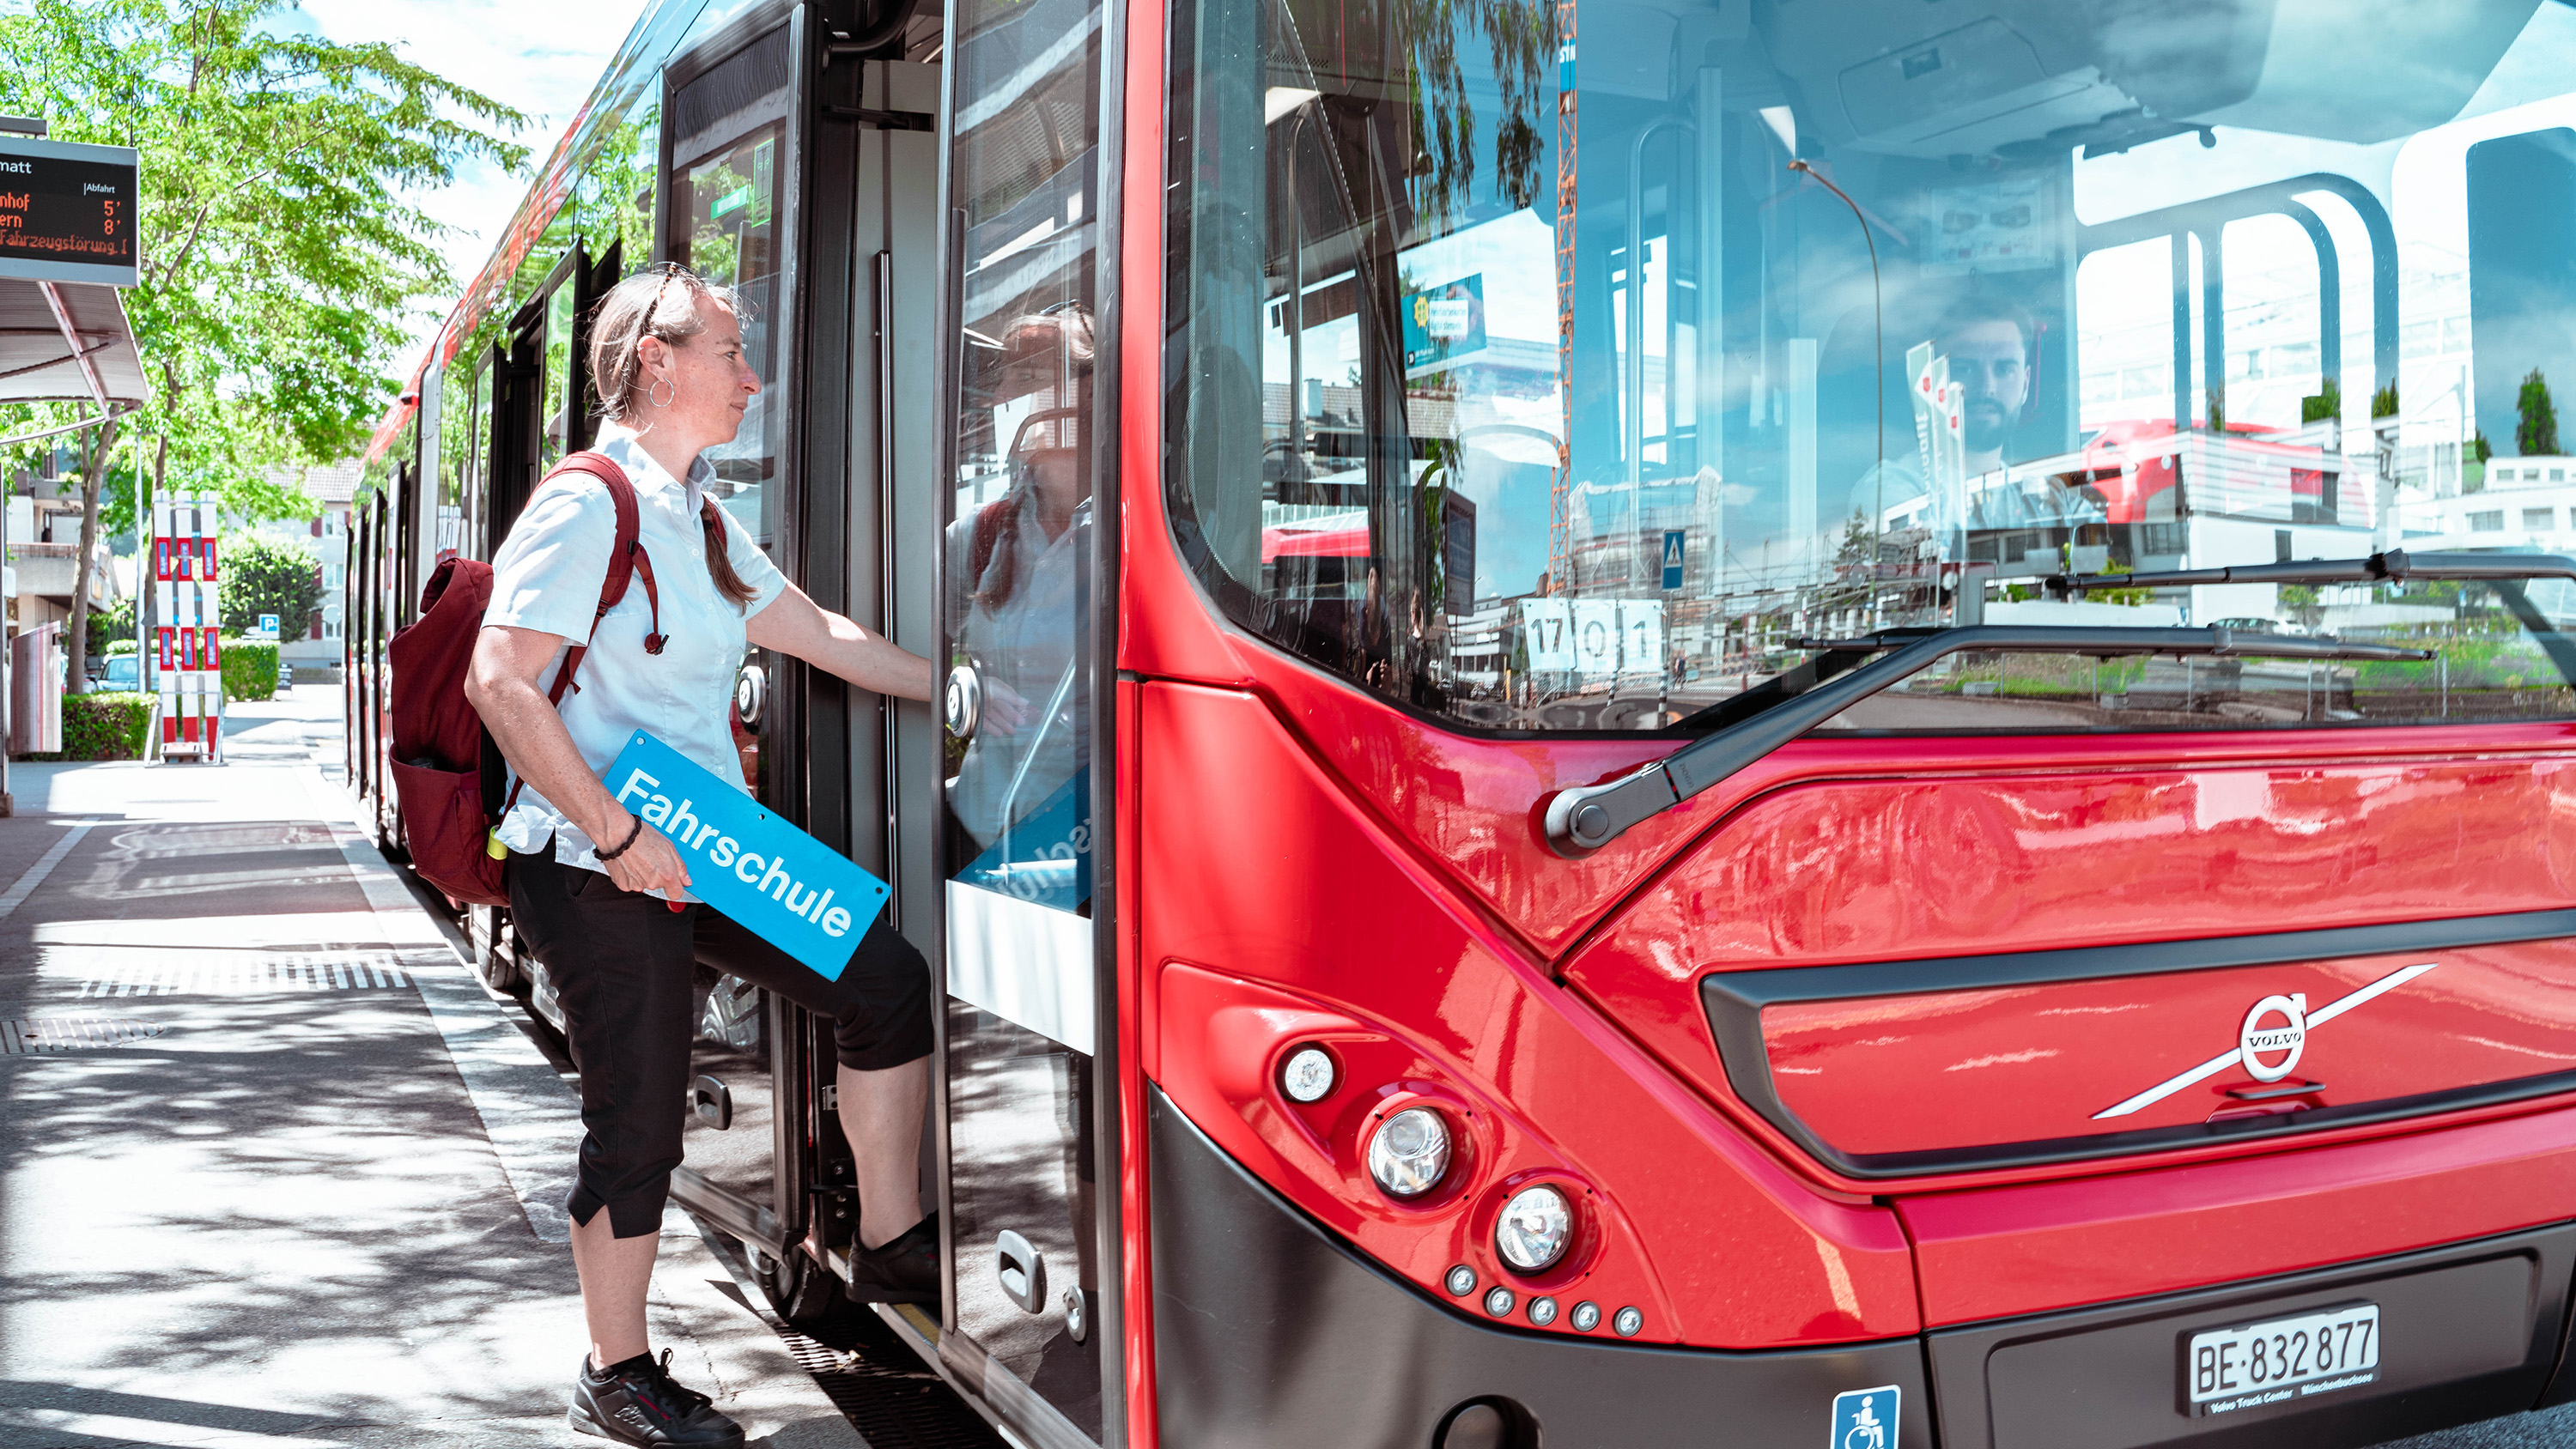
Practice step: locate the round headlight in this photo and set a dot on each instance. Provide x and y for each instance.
(1410, 1152)
(1308, 1077)
(1535, 1227)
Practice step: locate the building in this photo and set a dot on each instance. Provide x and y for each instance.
(311, 646)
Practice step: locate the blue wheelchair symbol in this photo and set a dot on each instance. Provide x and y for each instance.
(1866, 1418)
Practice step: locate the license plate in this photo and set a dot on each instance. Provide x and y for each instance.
(2282, 1359)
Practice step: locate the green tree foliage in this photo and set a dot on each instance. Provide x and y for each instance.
(2325, 406)
(280, 245)
(2536, 434)
(2383, 403)
(263, 576)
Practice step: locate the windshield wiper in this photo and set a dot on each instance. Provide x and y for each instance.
(2393, 567)
(1585, 818)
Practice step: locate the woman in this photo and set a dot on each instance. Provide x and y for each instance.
(592, 886)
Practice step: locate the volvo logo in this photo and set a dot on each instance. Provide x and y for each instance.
(2289, 1037)
(2270, 1043)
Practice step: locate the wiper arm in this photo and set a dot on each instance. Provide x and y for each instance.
(2392, 567)
(1585, 818)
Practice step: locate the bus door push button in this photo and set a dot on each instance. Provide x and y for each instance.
(1022, 1271)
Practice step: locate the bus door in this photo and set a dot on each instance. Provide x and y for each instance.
(1021, 1034)
(729, 140)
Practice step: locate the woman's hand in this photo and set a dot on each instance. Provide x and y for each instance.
(1004, 710)
(652, 863)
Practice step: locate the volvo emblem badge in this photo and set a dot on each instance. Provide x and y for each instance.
(2261, 1037)
(2278, 1026)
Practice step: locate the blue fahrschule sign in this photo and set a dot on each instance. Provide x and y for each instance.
(789, 888)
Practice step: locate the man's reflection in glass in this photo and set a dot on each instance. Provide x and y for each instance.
(1018, 596)
(1989, 341)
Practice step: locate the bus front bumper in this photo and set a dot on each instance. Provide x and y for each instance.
(1268, 1331)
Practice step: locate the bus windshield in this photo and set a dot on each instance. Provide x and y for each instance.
(1561, 367)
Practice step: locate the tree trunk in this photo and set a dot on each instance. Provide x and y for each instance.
(93, 472)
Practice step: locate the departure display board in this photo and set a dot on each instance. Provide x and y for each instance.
(67, 212)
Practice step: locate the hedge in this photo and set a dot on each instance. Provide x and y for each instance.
(250, 669)
(121, 646)
(105, 726)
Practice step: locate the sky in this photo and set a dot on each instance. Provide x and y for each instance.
(540, 58)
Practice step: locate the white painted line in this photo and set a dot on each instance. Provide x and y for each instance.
(44, 866)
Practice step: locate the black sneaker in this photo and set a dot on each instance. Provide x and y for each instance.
(904, 1270)
(636, 1402)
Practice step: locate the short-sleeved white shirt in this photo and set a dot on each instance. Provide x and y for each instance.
(547, 578)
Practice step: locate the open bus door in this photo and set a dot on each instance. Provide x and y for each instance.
(1027, 1178)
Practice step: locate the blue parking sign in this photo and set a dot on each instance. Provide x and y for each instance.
(1866, 1418)
(790, 889)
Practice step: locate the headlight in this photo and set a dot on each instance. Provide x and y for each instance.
(1410, 1152)
(1534, 1229)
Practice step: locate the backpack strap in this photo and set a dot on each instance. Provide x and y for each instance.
(627, 561)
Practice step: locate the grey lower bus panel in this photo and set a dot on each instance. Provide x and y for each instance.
(1269, 1332)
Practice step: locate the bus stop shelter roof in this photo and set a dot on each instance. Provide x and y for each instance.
(67, 341)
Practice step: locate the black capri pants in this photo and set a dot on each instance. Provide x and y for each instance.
(622, 963)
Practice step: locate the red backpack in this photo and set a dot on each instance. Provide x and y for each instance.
(447, 772)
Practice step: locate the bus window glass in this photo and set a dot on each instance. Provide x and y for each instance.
(1564, 366)
(558, 365)
(727, 229)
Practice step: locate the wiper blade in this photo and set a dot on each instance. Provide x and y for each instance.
(2394, 566)
(1585, 818)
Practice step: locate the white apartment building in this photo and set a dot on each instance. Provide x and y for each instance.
(2526, 503)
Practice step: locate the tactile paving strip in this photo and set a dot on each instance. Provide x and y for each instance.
(286, 971)
(72, 1034)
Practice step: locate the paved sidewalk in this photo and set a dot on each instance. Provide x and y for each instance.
(274, 1168)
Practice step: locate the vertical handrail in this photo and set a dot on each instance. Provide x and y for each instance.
(1633, 414)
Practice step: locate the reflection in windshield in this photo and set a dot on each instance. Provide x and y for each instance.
(728, 206)
(1577, 405)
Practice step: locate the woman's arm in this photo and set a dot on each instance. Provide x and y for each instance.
(794, 624)
(502, 687)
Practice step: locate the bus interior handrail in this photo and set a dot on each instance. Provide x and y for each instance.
(1584, 818)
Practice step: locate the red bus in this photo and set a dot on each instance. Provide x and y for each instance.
(1669, 721)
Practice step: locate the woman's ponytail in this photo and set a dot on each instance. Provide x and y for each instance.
(720, 557)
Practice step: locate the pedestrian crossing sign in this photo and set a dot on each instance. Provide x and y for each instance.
(1672, 558)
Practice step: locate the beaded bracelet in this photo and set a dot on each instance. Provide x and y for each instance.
(634, 828)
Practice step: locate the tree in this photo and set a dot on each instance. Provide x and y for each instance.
(2536, 435)
(279, 249)
(265, 576)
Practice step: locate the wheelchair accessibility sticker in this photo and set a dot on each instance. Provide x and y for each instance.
(1866, 1419)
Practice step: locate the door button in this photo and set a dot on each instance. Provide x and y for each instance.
(1022, 1271)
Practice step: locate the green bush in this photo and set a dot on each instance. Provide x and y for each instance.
(268, 576)
(105, 726)
(250, 669)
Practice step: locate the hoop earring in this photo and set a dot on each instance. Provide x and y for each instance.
(662, 402)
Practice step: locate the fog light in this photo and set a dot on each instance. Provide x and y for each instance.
(1587, 1317)
(1542, 1311)
(1534, 1229)
(1308, 1077)
(1627, 1323)
(1461, 1281)
(1410, 1152)
(1498, 1301)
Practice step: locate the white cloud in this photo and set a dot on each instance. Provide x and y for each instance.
(540, 59)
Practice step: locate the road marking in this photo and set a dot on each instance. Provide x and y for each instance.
(35, 876)
(286, 971)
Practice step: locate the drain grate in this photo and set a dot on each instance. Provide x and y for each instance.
(889, 1396)
(72, 1034)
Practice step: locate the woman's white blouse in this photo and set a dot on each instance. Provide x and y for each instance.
(547, 578)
